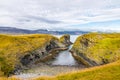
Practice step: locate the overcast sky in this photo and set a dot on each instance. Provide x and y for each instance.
(61, 14)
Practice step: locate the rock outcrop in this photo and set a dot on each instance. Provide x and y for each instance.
(65, 39)
(21, 52)
(96, 48)
(42, 54)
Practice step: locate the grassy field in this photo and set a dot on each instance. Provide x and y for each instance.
(96, 46)
(13, 47)
(102, 48)
(12, 78)
(109, 71)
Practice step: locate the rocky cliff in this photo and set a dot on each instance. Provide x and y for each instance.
(97, 48)
(65, 39)
(22, 51)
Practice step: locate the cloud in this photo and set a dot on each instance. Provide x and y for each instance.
(58, 14)
(41, 19)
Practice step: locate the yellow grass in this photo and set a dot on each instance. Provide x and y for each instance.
(99, 47)
(13, 47)
(105, 72)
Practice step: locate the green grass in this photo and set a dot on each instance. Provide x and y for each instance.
(105, 72)
(96, 46)
(11, 78)
(13, 47)
(99, 47)
(109, 71)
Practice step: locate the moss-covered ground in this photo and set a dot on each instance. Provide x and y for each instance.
(100, 47)
(13, 47)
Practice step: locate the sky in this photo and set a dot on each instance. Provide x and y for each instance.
(95, 15)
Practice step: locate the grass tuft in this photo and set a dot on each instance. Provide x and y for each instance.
(13, 47)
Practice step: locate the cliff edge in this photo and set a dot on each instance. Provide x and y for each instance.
(97, 48)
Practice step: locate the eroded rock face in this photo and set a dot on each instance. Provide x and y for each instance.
(65, 39)
(24, 50)
(41, 54)
(51, 45)
(95, 49)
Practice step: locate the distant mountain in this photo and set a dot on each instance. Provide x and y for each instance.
(12, 30)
